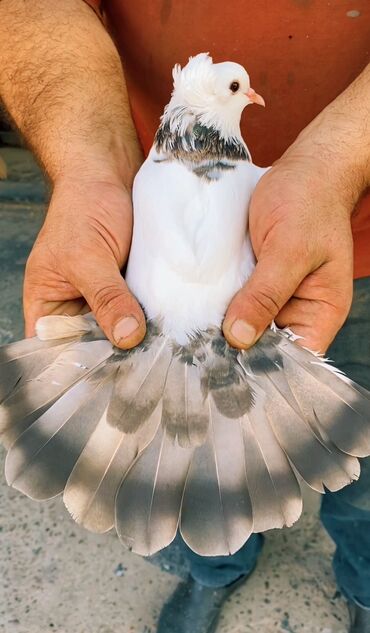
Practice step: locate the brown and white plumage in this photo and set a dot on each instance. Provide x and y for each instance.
(183, 432)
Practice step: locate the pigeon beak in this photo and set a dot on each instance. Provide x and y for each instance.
(255, 98)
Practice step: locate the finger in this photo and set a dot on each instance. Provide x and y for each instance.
(317, 322)
(115, 308)
(274, 280)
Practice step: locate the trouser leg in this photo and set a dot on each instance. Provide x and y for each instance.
(219, 571)
(349, 527)
(346, 514)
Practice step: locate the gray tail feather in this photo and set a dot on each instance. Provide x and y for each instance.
(148, 502)
(200, 438)
(217, 481)
(53, 443)
(90, 493)
(140, 382)
(33, 397)
(24, 360)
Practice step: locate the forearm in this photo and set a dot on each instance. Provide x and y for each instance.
(61, 81)
(338, 139)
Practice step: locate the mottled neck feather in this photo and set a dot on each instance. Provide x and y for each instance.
(182, 136)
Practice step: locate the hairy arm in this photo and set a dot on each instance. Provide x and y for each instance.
(62, 82)
(300, 228)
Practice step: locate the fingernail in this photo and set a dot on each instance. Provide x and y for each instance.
(125, 328)
(243, 332)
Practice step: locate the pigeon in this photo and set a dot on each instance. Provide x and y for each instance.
(183, 433)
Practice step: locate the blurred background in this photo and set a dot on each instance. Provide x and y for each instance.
(57, 577)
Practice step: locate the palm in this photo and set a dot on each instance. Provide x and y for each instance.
(294, 210)
(88, 225)
(301, 234)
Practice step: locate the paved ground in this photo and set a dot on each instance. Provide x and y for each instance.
(54, 576)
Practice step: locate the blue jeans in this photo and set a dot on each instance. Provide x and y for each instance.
(345, 514)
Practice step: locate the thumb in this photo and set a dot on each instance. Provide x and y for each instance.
(277, 275)
(115, 308)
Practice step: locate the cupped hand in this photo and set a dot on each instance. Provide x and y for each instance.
(299, 224)
(75, 263)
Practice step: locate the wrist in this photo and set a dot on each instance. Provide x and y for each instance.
(337, 141)
(330, 166)
(112, 164)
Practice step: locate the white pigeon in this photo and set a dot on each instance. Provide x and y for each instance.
(183, 432)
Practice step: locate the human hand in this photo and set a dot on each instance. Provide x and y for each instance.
(300, 230)
(75, 263)
(299, 223)
(67, 95)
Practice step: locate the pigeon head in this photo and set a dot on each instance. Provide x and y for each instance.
(215, 94)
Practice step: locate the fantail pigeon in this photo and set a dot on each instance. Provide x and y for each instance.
(183, 432)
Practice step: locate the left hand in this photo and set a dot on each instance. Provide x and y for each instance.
(300, 229)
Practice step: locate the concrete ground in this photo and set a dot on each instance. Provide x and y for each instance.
(55, 576)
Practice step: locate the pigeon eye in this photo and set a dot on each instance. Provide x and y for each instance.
(234, 86)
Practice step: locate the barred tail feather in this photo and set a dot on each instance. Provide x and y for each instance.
(140, 382)
(340, 406)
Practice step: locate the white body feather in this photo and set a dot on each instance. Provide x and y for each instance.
(187, 260)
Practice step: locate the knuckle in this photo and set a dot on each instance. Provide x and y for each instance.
(266, 301)
(108, 300)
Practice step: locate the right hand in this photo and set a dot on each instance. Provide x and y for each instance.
(75, 263)
(301, 233)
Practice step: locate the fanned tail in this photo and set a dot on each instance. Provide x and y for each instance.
(199, 438)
